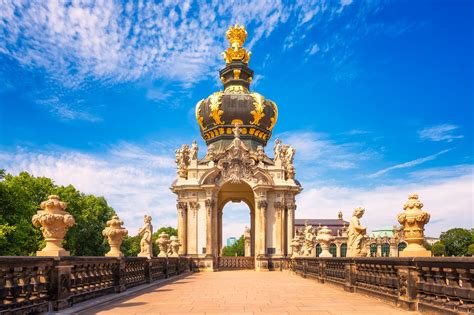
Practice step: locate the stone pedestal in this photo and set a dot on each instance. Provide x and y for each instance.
(54, 222)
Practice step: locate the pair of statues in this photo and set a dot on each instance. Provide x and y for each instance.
(183, 157)
(304, 242)
(285, 154)
(168, 246)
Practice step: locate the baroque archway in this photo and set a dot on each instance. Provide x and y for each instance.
(236, 125)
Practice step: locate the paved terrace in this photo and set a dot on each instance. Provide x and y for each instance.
(247, 292)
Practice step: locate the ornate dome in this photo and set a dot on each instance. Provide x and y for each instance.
(221, 111)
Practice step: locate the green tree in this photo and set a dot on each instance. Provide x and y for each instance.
(238, 249)
(20, 197)
(470, 250)
(456, 241)
(438, 249)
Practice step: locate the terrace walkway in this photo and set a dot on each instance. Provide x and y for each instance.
(247, 292)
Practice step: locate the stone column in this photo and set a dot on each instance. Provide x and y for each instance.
(279, 211)
(291, 207)
(209, 216)
(183, 226)
(219, 228)
(379, 249)
(261, 226)
(338, 249)
(192, 233)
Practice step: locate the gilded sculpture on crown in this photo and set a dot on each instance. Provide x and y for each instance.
(236, 35)
(146, 232)
(413, 220)
(54, 221)
(356, 235)
(115, 234)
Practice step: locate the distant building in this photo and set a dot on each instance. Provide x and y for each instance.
(231, 241)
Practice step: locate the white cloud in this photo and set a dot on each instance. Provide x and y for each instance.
(444, 132)
(448, 200)
(408, 164)
(114, 42)
(319, 149)
(134, 180)
(313, 49)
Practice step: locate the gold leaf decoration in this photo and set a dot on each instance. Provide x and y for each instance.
(259, 107)
(214, 105)
(273, 119)
(199, 118)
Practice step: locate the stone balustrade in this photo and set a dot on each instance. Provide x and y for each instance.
(39, 284)
(431, 284)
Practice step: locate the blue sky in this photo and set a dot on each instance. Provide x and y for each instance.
(376, 96)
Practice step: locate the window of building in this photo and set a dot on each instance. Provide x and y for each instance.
(373, 250)
(344, 250)
(333, 249)
(385, 249)
(401, 246)
(318, 250)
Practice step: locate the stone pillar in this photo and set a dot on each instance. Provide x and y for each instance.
(209, 216)
(183, 227)
(279, 211)
(338, 249)
(192, 233)
(247, 239)
(252, 232)
(379, 249)
(413, 220)
(115, 234)
(220, 231)
(261, 227)
(290, 226)
(54, 222)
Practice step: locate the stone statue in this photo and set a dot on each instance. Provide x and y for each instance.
(324, 239)
(115, 234)
(182, 160)
(413, 220)
(194, 151)
(339, 215)
(297, 243)
(173, 246)
(277, 150)
(146, 247)
(163, 243)
(211, 152)
(54, 222)
(356, 235)
(309, 239)
(290, 154)
(290, 172)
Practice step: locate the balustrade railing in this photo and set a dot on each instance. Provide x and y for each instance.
(237, 262)
(439, 285)
(38, 284)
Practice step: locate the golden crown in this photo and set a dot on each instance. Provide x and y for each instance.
(236, 34)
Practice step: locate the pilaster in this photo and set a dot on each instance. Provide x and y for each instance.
(183, 226)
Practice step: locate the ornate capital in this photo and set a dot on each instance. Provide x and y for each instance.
(182, 205)
(278, 205)
(262, 204)
(209, 203)
(194, 205)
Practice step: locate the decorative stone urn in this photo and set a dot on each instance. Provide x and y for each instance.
(163, 244)
(324, 239)
(54, 222)
(296, 245)
(174, 246)
(115, 234)
(413, 221)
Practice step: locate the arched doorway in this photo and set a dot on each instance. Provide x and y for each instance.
(240, 193)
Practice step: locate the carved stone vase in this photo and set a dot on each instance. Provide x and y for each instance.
(413, 220)
(54, 222)
(163, 244)
(174, 246)
(324, 239)
(115, 234)
(296, 246)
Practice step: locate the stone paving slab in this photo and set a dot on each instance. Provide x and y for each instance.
(247, 292)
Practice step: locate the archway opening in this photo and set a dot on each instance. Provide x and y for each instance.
(236, 212)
